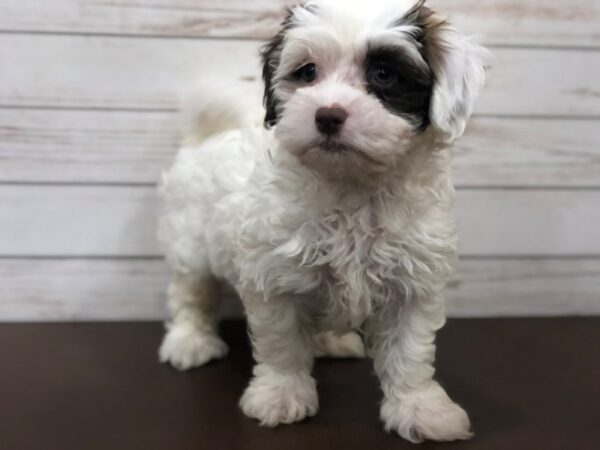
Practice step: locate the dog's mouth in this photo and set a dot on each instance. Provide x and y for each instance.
(334, 146)
(338, 147)
(336, 150)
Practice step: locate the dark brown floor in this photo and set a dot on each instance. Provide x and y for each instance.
(527, 384)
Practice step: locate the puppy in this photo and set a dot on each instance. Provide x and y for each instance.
(335, 217)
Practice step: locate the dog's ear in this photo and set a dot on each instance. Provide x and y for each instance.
(459, 68)
(270, 55)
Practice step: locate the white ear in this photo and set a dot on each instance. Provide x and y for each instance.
(459, 67)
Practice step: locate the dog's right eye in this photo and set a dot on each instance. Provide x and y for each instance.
(307, 73)
(382, 76)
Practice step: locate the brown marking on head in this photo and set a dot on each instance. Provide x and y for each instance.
(270, 55)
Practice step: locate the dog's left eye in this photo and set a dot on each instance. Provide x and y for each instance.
(383, 76)
(307, 73)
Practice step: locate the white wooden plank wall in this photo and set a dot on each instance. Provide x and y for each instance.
(88, 99)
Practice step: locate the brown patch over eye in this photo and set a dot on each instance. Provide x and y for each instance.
(400, 84)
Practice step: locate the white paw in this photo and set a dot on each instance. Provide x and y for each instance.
(186, 347)
(426, 414)
(274, 398)
(349, 345)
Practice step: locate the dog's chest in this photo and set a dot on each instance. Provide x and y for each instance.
(359, 262)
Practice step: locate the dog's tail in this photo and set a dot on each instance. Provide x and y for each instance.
(216, 106)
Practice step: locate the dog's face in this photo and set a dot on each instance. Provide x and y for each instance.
(352, 85)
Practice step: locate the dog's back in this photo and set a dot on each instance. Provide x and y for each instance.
(215, 106)
(216, 158)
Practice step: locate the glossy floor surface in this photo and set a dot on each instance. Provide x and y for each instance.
(527, 383)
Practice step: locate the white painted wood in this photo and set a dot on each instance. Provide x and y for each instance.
(229, 18)
(109, 221)
(82, 289)
(77, 220)
(55, 289)
(86, 146)
(546, 82)
(528, 152)
(529, 222)
(531, 22)
(64, 289)
(102, 72)
(526, 22)
(108, 72)
(110, 119)
(526, 287)
(133, 147)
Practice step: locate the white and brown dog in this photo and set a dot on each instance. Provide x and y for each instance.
(336, 217)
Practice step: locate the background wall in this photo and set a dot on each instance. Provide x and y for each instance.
(88, 98)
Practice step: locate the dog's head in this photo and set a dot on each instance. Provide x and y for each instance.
(351, 84)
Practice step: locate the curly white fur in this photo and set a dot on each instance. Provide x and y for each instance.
(322, 244)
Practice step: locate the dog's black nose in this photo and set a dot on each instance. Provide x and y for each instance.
(330, 120)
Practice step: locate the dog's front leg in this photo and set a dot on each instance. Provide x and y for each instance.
(282, 389)
(402, 344)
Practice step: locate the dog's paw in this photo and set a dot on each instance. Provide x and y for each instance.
(426, 414)
(185, 348)
(274, 398)
(328, 344)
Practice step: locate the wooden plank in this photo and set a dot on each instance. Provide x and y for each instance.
(194, 18)
(111, 221)
(82, 289)
(526, 22)
(117, 73)
(66, 289)
(529, 22)
(525, 287)
(133, 147)
(539, 82)
(58, 289)
(528, 152)
(86, 146)
(529, 222)
(125, 73)
(77, 220)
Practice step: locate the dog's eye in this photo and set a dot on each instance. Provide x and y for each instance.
(383, 76)
(307, 73)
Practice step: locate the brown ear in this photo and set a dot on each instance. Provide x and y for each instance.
(271, 54)
(459, 67)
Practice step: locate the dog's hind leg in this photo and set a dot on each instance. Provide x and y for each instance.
(192, 338)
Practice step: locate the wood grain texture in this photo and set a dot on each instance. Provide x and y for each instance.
(77, 220)
(116, 73)
(529, 22)
(105, 96)
(86, 146)
(523, 287)
(257, 19)
(529, 222)
(133, 147)
(528, 152)
(121, 73)
(121, 221)
(82, 290)
(42, 290)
